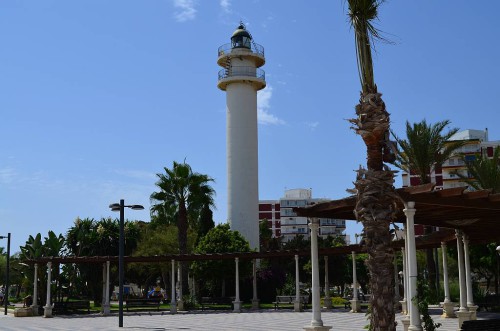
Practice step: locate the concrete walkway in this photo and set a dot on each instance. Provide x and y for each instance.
(284, 320)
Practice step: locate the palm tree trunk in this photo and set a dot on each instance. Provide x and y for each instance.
(375, 208)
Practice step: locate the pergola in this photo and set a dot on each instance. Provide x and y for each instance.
(460, 215)
(468, 217)
(475, 213)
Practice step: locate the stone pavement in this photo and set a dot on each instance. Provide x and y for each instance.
(281, 320)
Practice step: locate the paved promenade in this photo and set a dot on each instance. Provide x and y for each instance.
(284, 320)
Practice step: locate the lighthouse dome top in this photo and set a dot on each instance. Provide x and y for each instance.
(241, 31)
(241, 38)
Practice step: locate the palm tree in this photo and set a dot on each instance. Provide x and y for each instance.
(483, 172)
(425, 147)
(376, 197)
(184, 193)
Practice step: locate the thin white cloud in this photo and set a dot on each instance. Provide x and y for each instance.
(226, 6)
(312, 125)
(186, 10)
(7, 175)
(139, 174)
(263, 105)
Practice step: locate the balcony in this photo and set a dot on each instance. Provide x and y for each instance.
(227, 49)
(255, 76)
(255, 53)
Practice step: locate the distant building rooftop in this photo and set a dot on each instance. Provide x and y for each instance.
(470, 134)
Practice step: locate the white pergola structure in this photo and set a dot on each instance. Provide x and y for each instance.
(474, 216)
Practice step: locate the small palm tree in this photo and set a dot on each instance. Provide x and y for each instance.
(483, 171)
(425, 147)
(376, 196)
(183, 193)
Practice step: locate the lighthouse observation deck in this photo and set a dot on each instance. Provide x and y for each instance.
(228, 51)
(241, 64)
(255, 76)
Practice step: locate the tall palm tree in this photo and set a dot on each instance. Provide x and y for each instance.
(426, 146)
(483, 172)
(184, 193)
(376, 197)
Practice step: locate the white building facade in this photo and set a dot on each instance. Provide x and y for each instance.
(285, 223)
(444, 176)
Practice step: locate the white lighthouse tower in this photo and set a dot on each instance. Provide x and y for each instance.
(241, 78)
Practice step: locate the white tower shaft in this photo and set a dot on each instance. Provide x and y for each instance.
(242, 161)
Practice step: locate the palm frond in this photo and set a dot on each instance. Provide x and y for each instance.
(361, 15)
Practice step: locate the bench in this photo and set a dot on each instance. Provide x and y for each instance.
(289, 300)
(481, 325)
(143, 302)
(212, 301)
(489, 301)
(71, 306)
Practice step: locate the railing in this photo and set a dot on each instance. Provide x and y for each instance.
(242, 71)
(226, 49)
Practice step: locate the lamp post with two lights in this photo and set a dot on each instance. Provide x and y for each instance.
(121, 248)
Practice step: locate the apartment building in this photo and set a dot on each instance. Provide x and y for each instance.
(444, 176)
(284, 223)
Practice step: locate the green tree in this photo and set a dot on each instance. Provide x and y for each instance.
(426, 146)
(483, 171)
(34, 248)
(265, 235)
(88, 237)
(218, 274)
(376, 197)
(205, 221)
(184, 192)
(156, 241)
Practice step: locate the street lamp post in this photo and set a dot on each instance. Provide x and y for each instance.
(7, 268)
(121, 248)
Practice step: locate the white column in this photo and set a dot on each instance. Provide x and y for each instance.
(173, 303)
(461, 271)
(445, 273)
(468, 280)
(316, 322)
(355, 304)
(180, 302)
(415, 322)
(255, 299)
(327, 300)
(237, 302)
(47, 311)
(34, 306)
(448, 310)
(296, 304)
(404, 306)
(463, 313)
(106, 307)
(103, 300)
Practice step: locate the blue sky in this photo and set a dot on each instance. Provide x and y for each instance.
(96, 97)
